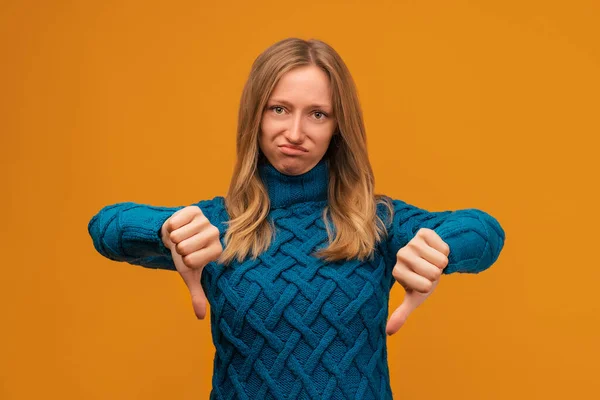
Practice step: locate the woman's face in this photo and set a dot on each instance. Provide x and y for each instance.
(298, 114)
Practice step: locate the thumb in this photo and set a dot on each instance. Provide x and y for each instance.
(400, 315)
(412, 300)
(191, 277)
(198, 296)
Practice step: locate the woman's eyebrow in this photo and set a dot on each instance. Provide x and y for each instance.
(287, 103)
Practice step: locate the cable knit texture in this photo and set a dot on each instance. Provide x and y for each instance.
(288, 325)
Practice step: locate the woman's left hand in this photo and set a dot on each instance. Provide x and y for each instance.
(418, 269)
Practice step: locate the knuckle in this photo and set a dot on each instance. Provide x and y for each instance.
(198, 259)
(423, 231)
(395, 271)
(197, 212)
(427, 286)
(216, 253)
(414, 244)
(402, 254)
(180, 248)
(202, 222)
(193, 261)
(398, 270)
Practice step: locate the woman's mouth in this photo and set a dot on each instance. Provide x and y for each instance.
(292, 150)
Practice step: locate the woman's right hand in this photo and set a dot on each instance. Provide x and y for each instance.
(194, 242)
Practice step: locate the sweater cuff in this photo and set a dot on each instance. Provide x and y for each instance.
(473, 238)
(141, 233)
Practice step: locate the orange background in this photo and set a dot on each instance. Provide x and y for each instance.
(468, 104)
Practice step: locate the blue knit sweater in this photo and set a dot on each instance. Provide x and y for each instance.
(288, 325)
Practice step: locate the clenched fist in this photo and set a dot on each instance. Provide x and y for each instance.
(418, 269)
(194, 242)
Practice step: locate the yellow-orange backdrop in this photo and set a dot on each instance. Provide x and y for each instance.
(468, 104)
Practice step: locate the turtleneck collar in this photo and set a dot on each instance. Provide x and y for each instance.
(285, 190)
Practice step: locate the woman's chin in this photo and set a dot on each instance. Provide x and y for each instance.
(292, 167)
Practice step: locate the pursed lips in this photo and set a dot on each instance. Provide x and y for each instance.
(294, 147)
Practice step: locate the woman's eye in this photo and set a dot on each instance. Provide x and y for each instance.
(279, 111)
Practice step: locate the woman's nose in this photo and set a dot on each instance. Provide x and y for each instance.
(295, 132)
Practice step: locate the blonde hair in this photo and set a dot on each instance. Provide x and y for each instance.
(352, 205)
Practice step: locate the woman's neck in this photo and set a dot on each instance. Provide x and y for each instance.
(285, 190)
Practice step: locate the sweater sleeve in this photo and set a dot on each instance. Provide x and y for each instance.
(130, 232)
(475, 237)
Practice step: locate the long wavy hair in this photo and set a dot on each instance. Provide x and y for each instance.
(352, 204)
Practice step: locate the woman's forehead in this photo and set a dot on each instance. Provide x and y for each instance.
(303, 88)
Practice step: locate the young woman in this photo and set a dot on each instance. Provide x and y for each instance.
(298, 259)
